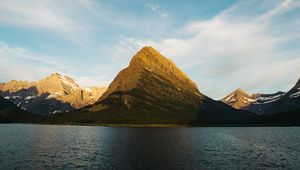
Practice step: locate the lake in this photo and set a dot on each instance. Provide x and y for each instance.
(91, 147)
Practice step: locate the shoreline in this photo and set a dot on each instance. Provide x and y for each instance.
(162, 125)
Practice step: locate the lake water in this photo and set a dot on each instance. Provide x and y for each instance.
(87, 147)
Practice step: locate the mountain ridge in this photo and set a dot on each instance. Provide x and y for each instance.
(153, 90)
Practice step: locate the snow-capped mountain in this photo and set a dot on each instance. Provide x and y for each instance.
(265, 103)
(53, 94)
(256, 103)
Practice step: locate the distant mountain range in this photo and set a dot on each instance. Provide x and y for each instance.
(151, 90)
(53, 94)
(265, 104)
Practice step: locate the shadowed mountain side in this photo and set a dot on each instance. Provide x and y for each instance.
(6, 104)
(290, 118)
(29, 100)
(10, 113)
(217, 113)
(287, 103)
(145, 113)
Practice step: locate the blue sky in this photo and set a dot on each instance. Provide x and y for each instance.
(221, 45)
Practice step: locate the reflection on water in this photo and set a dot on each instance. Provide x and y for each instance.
(68, 147)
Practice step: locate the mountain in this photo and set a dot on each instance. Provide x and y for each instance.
(288, 102)
(255, 103)
(152, 89)
(53, 94)
(65, 89)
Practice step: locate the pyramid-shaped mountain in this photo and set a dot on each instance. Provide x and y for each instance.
(239, 99)
(152, 89)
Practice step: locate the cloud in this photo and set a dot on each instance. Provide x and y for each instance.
(234, 49)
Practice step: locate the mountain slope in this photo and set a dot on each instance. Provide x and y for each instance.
(153, 90)
(256, 103)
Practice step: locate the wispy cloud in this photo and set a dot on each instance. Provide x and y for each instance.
(20, 63)
(157, 9)
(280, 8)
(62, 18)
(80, 20)
(236, 49)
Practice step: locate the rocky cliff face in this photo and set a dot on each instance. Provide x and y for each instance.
(53, 94)
(152, 89)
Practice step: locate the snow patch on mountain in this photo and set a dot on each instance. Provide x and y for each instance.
(229, 98)
(295, 95)
(88, 89)
(29, 97)
(68, 82)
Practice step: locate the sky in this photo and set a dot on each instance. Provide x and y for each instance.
(220, 44)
